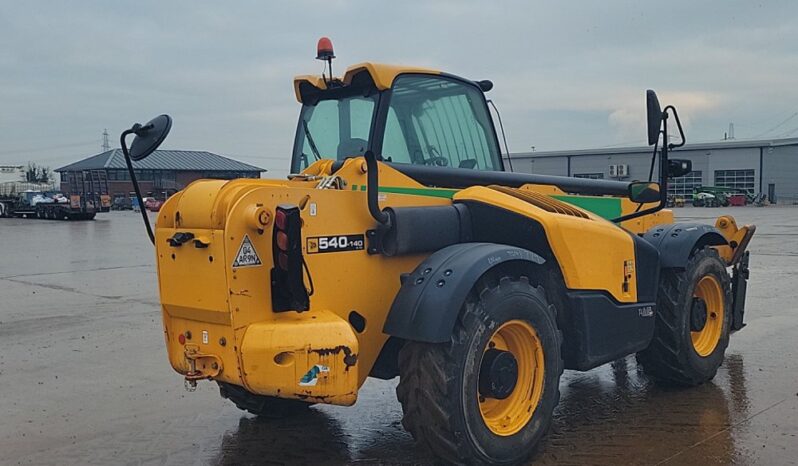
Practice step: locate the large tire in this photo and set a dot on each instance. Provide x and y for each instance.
(683, 352)
(439, 386)
(267, 407)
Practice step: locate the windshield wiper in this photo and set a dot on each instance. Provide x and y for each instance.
(310, 140)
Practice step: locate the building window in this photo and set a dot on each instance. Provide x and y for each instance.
(119, 175)
(683, 185)
(223, 175)
(144, 175)
(738, 179)
(590, 176)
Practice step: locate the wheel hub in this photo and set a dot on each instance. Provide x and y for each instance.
(498, 374)
(698, 314)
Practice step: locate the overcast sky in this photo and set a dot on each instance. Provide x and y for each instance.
(567, 74)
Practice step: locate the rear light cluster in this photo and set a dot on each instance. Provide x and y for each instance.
(288, 286)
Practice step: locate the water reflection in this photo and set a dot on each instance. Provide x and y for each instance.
(733, 364)
(310, 438)
(610, 415)
(615, 415)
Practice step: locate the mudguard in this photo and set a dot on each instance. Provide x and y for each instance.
(675, 242)
(427, 305)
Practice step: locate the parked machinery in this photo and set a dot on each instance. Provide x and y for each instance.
(399, 247)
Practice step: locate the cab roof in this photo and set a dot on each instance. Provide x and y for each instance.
(380, 74)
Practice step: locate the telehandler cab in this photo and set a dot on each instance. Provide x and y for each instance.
(400, 247)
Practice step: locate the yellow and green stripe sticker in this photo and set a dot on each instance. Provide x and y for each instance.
(606, 207)
(429, 192)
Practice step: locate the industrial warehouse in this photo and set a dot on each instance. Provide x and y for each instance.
(765, 166)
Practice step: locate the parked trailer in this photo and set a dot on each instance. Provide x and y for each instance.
(41, 204)
(11, 196)
(88, 190)
(87, 195)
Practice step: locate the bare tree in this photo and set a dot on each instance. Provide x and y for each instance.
(38, 174)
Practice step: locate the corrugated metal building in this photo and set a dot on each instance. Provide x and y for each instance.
(163, 172)
(768, 166)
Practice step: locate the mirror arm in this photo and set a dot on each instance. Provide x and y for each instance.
(141, 130)
(641, 213)
(678, 125)
(663, 174)
(135, 130)
(663, 165)
(663, 161)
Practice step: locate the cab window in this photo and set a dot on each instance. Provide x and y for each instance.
(394, 145)
(333, 129)
(438, 121)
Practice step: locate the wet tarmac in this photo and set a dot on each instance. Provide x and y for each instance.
(84, 377)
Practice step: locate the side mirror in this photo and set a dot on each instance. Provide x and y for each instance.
(644, 192)
(679, 167)
(149, 137)
(654, 116)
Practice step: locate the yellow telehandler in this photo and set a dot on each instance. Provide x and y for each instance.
(400, 247)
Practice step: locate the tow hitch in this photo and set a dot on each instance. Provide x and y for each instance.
(200, 366)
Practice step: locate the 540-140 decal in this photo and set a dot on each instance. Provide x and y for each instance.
(335, 243)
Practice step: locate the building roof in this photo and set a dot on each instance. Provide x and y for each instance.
(177, 160)
(728, 144)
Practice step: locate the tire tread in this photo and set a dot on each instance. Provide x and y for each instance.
(666, 358)
(426, 370)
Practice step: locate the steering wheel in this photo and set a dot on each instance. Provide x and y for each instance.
(436, 160)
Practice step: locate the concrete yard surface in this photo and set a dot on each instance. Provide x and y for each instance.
(84, 377)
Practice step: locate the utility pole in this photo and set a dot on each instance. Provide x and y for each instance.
(106, 145)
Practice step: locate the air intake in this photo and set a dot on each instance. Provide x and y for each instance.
(547, 203)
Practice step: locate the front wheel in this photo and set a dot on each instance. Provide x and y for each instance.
(487, 395)
(693, 323)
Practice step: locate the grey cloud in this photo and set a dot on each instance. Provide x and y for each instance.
(567, 74)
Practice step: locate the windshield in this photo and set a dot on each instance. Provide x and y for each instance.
(437, 121)
(333, 129)
(430, 120)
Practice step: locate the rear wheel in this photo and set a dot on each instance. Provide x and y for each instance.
(693, 322)
(487, 395)
(262, 406)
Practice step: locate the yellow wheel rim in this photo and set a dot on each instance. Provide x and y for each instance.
(706, 340)
(507, 416)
